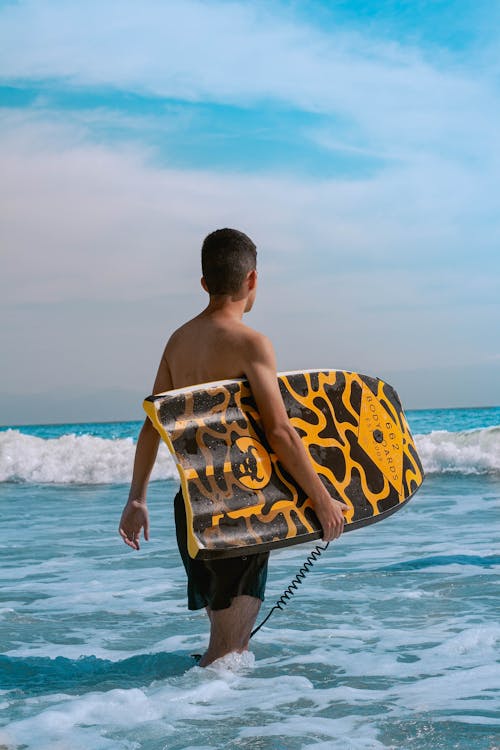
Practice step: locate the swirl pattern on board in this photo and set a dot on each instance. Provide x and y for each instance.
(240, 499)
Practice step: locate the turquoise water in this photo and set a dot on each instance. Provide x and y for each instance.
(390, 642)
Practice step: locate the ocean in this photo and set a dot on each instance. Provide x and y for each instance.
(389, 643)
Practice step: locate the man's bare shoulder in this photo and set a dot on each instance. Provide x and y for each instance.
(239, 334)
(184, 331)
(210, 348)
(255, 352)
(257, 344)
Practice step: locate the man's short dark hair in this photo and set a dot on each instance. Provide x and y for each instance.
(227, 256)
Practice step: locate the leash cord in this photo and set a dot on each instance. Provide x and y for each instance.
(291, 590)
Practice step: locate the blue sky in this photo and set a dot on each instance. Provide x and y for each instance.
(357, 142)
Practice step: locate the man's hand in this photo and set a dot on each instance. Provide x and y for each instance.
(331, 517)
(135, 517)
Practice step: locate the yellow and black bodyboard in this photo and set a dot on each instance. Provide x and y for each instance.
(240, 500)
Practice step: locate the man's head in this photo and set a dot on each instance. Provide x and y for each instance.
(228, 257)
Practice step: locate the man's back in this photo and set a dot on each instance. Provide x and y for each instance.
(210, 347)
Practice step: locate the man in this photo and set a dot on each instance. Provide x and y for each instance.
(216, 345)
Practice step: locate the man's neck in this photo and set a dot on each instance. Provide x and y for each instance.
(226, 306)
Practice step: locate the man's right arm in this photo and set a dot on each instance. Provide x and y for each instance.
(135, 515)
(260, 369)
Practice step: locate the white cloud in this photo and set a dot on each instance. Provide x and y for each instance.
(71, 207)
(107, 245)
(230, 52)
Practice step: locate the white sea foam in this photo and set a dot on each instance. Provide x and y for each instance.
(79, 459)
(468, 452)
(234, 662)
(85, 459)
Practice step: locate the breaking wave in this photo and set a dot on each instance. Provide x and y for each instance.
(468, 452)
(73, 459)
(87, 459)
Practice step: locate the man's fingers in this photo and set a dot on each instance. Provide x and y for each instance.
(333, 529)
(123, 534)
(343, 505)
(129, 537)
(328, 534)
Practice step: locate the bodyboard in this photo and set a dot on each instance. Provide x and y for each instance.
(240, 500)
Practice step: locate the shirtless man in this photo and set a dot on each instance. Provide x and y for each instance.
(216, 345)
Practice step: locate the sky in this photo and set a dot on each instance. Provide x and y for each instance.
(356, 142)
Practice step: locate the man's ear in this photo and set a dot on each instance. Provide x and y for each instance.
(204, 284)
(252, 279)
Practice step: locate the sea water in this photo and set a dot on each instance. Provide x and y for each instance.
(390, 642)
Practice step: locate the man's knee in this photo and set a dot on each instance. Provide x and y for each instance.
(234, 624)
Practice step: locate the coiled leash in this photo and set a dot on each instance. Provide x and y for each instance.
(291, 590)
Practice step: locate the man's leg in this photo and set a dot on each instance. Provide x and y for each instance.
(230, 628)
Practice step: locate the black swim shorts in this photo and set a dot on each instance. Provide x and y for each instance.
(214, 583)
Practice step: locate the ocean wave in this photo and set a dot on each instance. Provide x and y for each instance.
(32, 674)
(87, 459)
(73, 459)
(436, 561)
(469, 452)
